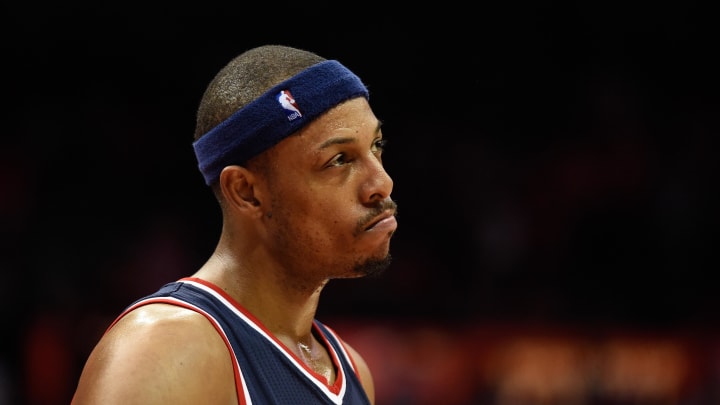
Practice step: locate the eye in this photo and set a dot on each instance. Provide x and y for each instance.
(379, 146)
(338, 160)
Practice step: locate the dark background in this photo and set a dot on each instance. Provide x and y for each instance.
(553, 162)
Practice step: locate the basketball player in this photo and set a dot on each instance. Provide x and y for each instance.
(292, 150)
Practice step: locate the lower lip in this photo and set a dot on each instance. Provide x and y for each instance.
(388, 224)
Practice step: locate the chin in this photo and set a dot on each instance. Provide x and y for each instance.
(373, 267)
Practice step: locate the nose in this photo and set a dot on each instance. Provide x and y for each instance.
(378, 184)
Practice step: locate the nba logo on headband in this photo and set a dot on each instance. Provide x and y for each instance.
(287, 102)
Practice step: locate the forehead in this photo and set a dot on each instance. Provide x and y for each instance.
(354, 115)
(351, 119)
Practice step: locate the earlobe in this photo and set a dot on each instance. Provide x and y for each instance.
(237, 185)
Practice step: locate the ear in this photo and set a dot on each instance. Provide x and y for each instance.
(237, 184)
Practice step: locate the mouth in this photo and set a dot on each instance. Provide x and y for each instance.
(384, 222)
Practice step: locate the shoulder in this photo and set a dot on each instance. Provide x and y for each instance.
(363, 370)
(154, 354)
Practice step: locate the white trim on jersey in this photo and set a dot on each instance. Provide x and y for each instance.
(335, 398)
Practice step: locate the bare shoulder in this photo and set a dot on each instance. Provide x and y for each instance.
(366, 377)
(158, 353)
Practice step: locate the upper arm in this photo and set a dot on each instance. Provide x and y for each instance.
(158, 354)
(363, 369)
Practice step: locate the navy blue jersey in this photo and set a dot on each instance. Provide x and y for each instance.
(266, 371)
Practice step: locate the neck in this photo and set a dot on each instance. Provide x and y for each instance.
(286, 307)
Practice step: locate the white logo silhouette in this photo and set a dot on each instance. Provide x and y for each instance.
(287, 102)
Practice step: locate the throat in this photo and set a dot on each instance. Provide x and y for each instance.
(317, 358)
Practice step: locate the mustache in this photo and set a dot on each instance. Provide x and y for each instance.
(382, 206)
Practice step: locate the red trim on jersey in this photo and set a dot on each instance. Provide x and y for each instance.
(335, 388)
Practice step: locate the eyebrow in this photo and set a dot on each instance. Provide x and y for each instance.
(345, 139)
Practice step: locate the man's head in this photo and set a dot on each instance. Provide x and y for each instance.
(276, 102)
(319, 200)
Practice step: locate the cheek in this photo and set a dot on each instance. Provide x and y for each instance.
(326, 221)
(318, 204)
(316, 211)
(327, 216)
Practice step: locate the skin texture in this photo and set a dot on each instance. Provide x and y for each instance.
(312, 208)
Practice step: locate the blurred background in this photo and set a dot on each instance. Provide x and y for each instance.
(554, 164)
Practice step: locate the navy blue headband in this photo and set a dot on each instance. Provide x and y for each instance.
(279, 112)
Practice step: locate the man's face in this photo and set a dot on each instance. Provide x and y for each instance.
(332, 214)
